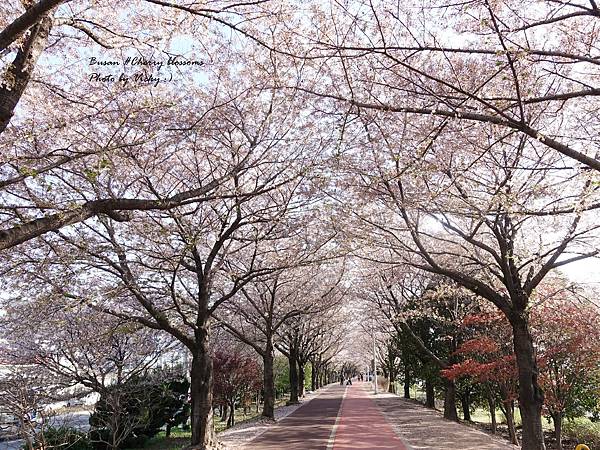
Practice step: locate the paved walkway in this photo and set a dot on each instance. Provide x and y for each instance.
(307, 428)
(424, 428)
(361, 424)
(352, 418)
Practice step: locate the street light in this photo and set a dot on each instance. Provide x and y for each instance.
(374, 355)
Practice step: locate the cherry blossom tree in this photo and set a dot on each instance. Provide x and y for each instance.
(25, 393)
(429, 313)
(267, 304)
(82, 351)
(305, 337)
(521, 67)
(171, 270)
(499, 130)
(476, 210)
(66, 129)
(81, 347)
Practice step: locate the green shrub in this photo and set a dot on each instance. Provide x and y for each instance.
(281, 373)
(132, 412)
(64, 438)
(584, 432)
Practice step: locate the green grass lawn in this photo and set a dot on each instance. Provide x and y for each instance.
(178, 440)
(483, 416)
(239, 417)
(181, 438)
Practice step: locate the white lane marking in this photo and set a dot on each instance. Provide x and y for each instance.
(337, 421)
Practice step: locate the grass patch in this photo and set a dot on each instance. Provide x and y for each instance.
(583, 431)
(181, 438)
(241, 417)
(178, 440)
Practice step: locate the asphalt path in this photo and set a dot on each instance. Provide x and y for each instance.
(362, 425)
(308, 428)
(341, 418)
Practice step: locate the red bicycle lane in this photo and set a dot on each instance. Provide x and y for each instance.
(307, 428)
(361, 424)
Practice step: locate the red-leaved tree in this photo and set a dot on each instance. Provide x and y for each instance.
(567, 336)
(489, 359)
(236, 377)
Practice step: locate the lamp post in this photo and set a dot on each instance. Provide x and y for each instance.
(374, 355)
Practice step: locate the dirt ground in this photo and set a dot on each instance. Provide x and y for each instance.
(423, 428)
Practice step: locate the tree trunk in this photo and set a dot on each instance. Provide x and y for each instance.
(224, 411)
(557, 419)
(392, 378)
(429, 394)
(450, 401)
(19, 72)
(510, 421)
(301, 377)
(231, 418)
(465, 402)
(324, 376)
(531, 397)
(406, 383)
(314, 375)
(293, 377)
(203, 435)
(114, 441)
(269, 383)
(492, 407)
